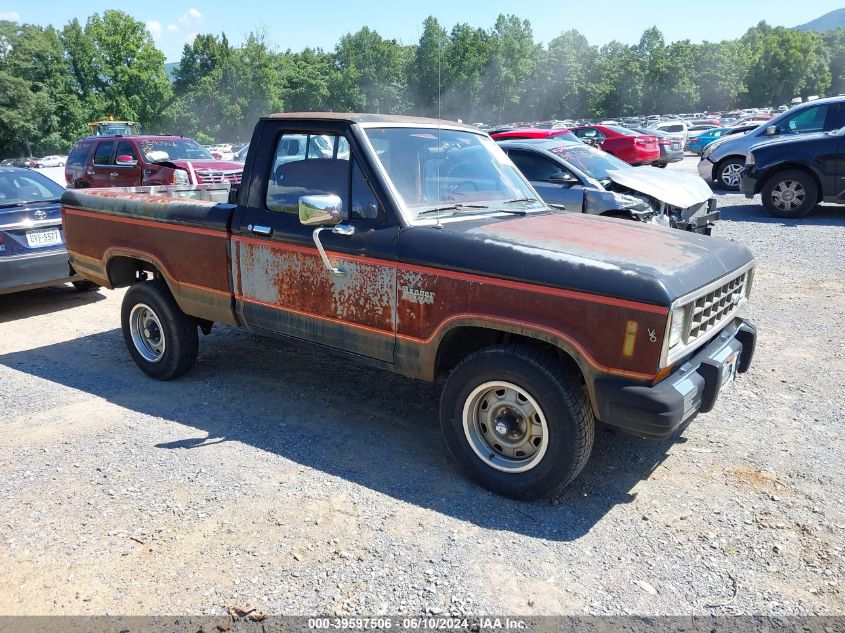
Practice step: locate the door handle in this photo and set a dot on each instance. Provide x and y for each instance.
(259, 229)
(114, 173)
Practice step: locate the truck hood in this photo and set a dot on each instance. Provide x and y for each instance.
(791, 139)
(676, 189)
(213, 165)
(604, 256)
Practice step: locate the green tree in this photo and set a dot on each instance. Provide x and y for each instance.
(513, 57)
(428, 76)
(787, 63)
(616, 85)
(834, 43)
(380, 66)
(467, 58)
(562, 76)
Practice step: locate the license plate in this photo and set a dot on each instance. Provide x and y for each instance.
(50, 237)
(729, 369)
(676, 146)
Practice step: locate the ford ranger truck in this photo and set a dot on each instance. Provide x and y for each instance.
(416, 246)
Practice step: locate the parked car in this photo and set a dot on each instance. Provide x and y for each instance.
(134, 161)
(32, 244)
(51, 161)
(625, 144)
(535, 133)
(678, 129)
(723, 160)
(240, 155)
(425, 252)
(671, 148)
(696, 144)
(792, 175)
(589, 180)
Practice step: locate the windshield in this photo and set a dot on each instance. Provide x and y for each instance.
(434, 169)
(593, 162)
(156, 150)
(16, 188)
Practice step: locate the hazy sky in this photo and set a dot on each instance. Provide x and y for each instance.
(320, 23)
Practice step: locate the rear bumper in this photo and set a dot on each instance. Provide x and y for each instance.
(658, 411)
(23, 272)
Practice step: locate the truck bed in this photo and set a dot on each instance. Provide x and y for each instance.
(109, 230)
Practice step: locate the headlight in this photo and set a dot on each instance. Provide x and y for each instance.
(180, 177)
(676, 326)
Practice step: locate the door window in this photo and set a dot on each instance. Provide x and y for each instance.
(103, 154)
(534, 167)
(125, 148)
(807, 120)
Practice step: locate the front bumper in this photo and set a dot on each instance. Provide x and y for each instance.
(748, 183)
(705, 169)
(658, 411)
(23, 272)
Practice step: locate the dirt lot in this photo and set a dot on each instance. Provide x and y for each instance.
(286, 479)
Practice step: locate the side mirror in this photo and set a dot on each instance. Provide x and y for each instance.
(320, 210)
(125, 160)
(771, 130)
(563, 178)
(324, 210)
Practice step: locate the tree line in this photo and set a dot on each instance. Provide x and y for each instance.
(52, 81)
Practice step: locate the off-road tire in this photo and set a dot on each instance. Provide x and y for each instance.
(178, 330)
(559, 394)
(803, 180)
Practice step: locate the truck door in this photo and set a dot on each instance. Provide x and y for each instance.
(281, 283)
(99, 172)
(125, 173)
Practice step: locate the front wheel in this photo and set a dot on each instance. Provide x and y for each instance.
(727, 174)
(517, 421)
(161, 339)
(790, 194)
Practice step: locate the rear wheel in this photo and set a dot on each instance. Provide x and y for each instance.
(727, 174)
(661, 165)
(161, 339)
(790, 194)
(517, 421)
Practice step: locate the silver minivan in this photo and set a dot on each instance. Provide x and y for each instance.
(724, 158)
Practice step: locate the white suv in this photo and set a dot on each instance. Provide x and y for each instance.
(676, 129)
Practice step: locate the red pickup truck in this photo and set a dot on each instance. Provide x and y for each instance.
(135, 161)
(416, 246)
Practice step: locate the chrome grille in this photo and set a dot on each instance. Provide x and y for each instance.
(713, 308)
(214, 176)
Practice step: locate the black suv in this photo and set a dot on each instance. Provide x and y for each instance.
(795, 174)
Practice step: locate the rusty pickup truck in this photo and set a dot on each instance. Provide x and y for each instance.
(416, 246)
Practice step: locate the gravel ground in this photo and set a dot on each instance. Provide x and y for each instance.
(288, 480)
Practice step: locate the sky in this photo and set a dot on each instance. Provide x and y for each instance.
(321, 23)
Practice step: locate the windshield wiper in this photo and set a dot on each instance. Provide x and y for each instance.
(23, 203)
(518, 200)
(452, 207)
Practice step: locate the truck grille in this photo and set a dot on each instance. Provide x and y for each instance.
(212, 177)
(710, 310)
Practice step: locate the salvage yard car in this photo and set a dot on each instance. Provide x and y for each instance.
(586, 179)
(724, 158)
(632, 147)
(793, 174)
(419, 248)
(32, 249)
(134, 161)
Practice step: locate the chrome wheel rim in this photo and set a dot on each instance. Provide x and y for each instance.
(730, 174)
(505, 427)
(147, 334)
(788, 195)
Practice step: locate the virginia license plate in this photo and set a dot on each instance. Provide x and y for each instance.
(676, 146)
(50, 237)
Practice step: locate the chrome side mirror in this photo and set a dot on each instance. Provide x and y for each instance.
(323, 212)
(124, 160)
(771, 130)
(320, 210)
